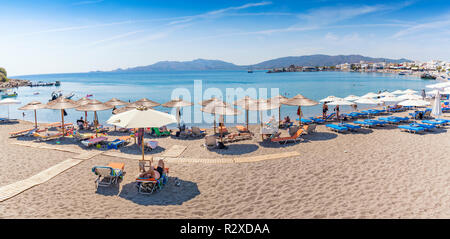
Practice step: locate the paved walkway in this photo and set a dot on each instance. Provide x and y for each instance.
(13, 189)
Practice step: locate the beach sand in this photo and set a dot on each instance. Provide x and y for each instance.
(376, 173)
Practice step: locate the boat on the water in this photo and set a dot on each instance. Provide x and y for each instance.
(428, 76)
(36, 93)
(9, 94)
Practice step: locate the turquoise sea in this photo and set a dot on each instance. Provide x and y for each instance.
(159, 86)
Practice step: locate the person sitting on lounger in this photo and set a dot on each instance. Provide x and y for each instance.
(154, 173)
(80, 123)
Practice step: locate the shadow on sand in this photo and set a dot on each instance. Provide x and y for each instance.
(320, 136)
(168, 195)
(236, 149)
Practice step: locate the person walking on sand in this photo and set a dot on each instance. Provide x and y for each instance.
(337, 111)
(324, 110)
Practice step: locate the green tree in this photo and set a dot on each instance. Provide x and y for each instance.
(3, 77)
(3, 71)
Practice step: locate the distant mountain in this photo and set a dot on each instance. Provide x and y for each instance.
(320, 60)
(204, 65)
(195, 65)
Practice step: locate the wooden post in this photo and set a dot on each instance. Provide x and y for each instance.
(142, 143)
(214, 123)
(279, 117)
(260, 119)
(62, 118)
(35, 119)
(95, 123)
(246, 113)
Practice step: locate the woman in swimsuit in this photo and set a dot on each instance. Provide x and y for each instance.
(154, 173)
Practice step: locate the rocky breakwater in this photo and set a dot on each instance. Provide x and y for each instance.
(13, 83)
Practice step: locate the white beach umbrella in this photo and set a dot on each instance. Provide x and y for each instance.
(410, 97)
(9, 102)
(351, 98)
(436, 110)
(417, 103)
(369, 95)
(397, 92)
(384, 93)
(330, 98)
(439, 85)
(409, 91)
(390, 99)
(341, 102)
(142, 117)
(367, 101)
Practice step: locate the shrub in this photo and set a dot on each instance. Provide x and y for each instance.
(3, 77)
(3, 71)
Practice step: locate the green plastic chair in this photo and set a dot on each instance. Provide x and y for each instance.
(159, 133)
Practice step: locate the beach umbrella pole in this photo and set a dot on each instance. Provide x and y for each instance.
(142, 144)
(62, 120)
(35, 119)
(246, 120)
(279, 117)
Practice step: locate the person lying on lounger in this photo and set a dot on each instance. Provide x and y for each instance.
(154, 173)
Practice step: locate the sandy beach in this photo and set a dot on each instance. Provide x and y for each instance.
(376, 173)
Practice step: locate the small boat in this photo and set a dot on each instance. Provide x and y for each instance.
(69, 96)
(250, 70)
(89, 95)
(9, 94)
(57, 83)
(36, 93)
(427, 76)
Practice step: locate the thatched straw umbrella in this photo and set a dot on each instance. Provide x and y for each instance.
(299, 100)
(61, 104)
(95, 106)
(216, 102)
(278, 99)
(115, 102)
(177, 103)
(214, 108)
(84, 101)
(34, 105)
(246, 103)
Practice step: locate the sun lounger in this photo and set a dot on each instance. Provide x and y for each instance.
(376, 122)
(330, 116)
(436, 122)
(306, 121)
(317, 120)
(241, 128)
(337, 128)
(26, 132)
(210, 141)
(427, 127)
(350, 127)
(390, 120)
(160, 133)
(83, 136)
(108, 175)
(94, 141)
(47, 136)
(115, 144)
(310, 128)
(150, 185)
(197, 132)
(365, 123)
(411, 129)
(295, 137)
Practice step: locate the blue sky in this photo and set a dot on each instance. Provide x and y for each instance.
(84, 35)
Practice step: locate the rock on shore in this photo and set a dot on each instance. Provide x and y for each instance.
(12, 83)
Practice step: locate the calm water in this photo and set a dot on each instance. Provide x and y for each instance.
(159, 87)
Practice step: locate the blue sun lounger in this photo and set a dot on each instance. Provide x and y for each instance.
(411, 129)
(436, 122)
(390, 120)
(306, 121)
(115, 144)
(365, 123)
(317, 120)
(350, 127)
(402, 119)
(337, 128)
(427, 127)
(377, 122)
